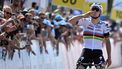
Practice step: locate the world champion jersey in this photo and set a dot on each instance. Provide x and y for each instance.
(93, 33)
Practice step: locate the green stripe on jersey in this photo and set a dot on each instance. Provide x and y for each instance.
(91, 37)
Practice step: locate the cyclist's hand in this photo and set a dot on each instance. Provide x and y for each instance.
(87, 14)
(108, 62)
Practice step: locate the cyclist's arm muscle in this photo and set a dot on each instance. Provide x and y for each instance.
(108, 46)
(75, 19)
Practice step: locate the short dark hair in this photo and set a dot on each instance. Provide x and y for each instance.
(33, 4)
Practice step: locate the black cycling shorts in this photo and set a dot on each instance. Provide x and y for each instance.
(90, 56)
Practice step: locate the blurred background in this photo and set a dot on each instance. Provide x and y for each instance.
(41, 43)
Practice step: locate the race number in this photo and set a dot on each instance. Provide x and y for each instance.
(70, 1)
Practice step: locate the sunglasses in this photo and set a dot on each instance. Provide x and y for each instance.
(96, 9)
(7, 12)
(42, 17)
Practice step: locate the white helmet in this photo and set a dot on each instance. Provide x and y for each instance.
(97, 5)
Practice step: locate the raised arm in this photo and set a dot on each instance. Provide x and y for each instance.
(74, 19)
(6, 22)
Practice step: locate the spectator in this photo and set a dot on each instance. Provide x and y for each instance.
(16, 6)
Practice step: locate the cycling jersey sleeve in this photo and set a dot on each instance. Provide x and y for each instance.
(106, 30)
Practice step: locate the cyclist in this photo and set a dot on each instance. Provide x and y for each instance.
(95, 32)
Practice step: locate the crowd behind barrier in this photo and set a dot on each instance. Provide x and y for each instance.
(65, 59)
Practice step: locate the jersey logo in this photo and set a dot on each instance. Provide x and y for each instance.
(100, 30)
(98, 26)
(90, 26)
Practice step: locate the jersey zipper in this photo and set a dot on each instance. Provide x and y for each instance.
(93, 37)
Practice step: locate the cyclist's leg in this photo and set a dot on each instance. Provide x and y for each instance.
(84, 58)
(100, 60)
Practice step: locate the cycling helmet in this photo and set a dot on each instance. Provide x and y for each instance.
(98, 5)
(58, 17)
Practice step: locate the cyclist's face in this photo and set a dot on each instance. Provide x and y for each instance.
(96, 12)
(42, 16)
(7, 13)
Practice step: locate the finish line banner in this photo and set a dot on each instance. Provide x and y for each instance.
(74, 4)
(83, 5)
